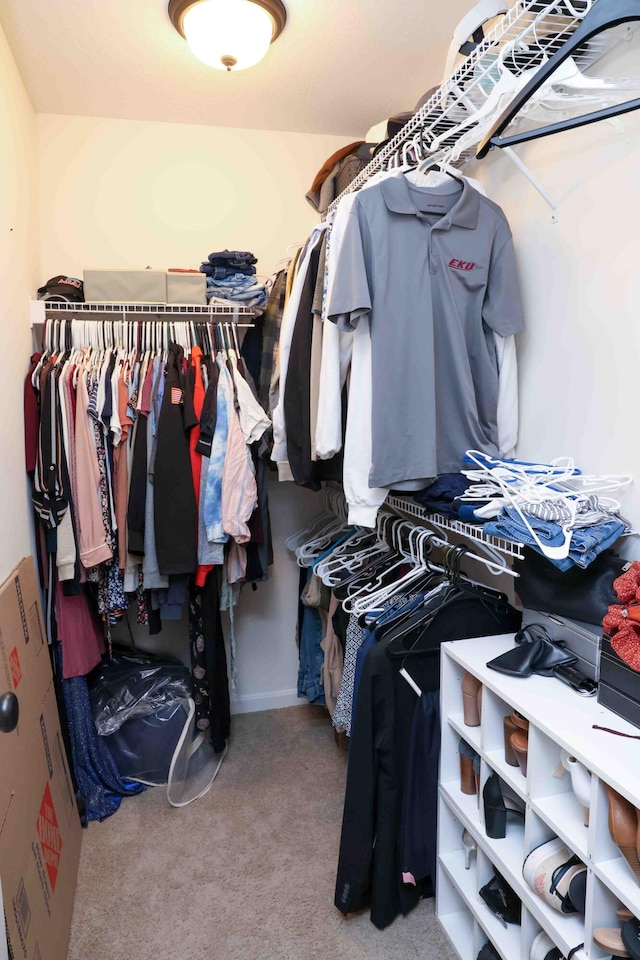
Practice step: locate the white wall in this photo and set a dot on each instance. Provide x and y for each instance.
(18, 256)
(126, 194)
(581, 285)
(121, 193)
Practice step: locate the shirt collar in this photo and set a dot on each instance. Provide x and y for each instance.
(464, 213)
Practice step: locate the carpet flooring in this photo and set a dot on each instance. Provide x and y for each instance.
(246, 872)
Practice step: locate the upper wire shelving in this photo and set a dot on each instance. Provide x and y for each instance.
(153, 310)
(530, 29)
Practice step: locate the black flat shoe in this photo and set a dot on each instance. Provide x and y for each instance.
(496, 808)
(488, 952)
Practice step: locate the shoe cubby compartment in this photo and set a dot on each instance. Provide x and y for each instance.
(609, 863)
(508, 852)
(456, 697)
(455, 917)
(566, 930)
(494, 710)
(553, 797)
(602, 906)
(505, 937)
(452, 854)
(532, 933)
(450, 774)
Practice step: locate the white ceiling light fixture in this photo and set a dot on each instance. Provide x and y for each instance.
(228, 34)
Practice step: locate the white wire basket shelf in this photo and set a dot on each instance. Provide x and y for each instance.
(213, 308)
(469, 530)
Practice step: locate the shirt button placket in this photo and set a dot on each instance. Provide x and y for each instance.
(433, 262)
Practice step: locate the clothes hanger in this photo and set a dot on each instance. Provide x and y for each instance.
(384, 573)
(417, 569)
(505, 481)
(471, 26)
(342, 538)
(495, 563)
(405, 640)
(555, 480)
(424, 589)
(600, 17)
(301, 536)
(347, 559)
(311, 550)
(500, 93)
(374, 566)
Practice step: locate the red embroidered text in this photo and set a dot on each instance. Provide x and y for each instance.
(461, 264)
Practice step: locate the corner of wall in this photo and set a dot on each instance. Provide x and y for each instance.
(19, 256)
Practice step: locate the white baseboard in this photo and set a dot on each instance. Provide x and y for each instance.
(252, 702)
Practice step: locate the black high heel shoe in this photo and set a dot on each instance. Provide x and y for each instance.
(496, 808)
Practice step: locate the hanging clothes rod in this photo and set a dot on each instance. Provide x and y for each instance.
(203, 320)
(71, 332)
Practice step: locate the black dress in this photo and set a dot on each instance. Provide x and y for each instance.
(175, 511)
(370, 861)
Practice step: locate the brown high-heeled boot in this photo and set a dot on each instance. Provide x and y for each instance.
(471, 700)
(520, 745)
(623, 827)
(509, 729)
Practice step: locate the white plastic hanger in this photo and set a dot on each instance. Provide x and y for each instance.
(521, 482)
(306, 533)
(355, 560)
(355, 591)
(417, 536)
(311, 550)
(475, 18)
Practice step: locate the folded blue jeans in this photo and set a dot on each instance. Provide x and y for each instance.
(222, 272)
(239, 280)
(586, 542)
(232, 258)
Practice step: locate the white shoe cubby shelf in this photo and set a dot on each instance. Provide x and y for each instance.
(559, 720)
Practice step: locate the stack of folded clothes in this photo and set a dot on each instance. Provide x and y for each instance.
(231, 275)
(552, 508)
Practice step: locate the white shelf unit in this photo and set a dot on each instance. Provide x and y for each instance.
(558, 719)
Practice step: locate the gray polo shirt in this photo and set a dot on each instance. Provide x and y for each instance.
(435, 270)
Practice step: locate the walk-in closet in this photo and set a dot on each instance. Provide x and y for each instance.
(319, 560)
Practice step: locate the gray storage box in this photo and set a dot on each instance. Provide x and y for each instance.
(581, 639)
(125, 286)
(188, 288)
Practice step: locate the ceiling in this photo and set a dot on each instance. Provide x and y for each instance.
(339, 66)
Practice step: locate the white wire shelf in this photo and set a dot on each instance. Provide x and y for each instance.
(469, 530)
(214, 308)
(528, 29)
(334, 500)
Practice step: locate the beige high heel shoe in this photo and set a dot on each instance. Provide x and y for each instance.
(471, 700)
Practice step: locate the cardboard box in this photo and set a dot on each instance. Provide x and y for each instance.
(40, 832)
(125, 286)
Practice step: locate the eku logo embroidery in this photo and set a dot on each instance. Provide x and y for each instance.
(461, 264)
